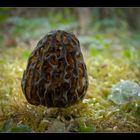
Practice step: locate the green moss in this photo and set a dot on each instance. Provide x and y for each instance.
(96, 110)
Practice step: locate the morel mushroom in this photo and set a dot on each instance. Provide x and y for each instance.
(56, 74)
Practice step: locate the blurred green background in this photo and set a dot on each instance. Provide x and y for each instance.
(25, 25)
(98, 29)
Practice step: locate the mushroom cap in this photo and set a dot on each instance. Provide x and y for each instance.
(56, 74)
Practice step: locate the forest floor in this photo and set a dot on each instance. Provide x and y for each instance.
(110, 59)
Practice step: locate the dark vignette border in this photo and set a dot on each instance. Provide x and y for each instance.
(69, 3)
